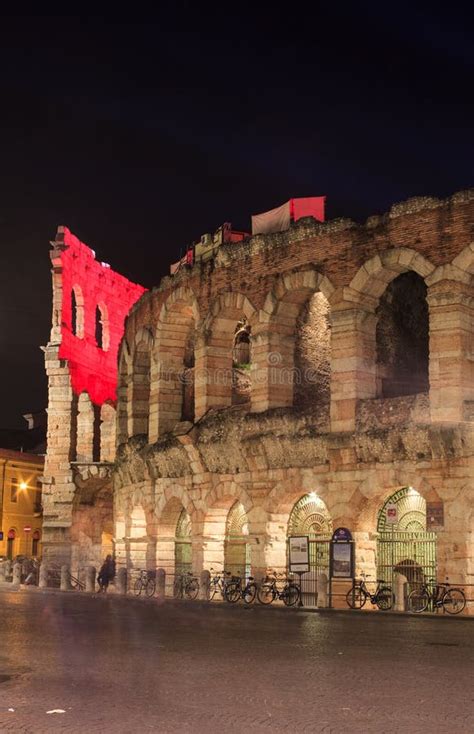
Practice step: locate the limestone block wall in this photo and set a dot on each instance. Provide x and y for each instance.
(350, 305)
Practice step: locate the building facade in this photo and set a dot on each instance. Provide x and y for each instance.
(20, 504)
(294, 383)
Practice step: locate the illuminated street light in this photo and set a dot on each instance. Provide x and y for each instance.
(23, 485)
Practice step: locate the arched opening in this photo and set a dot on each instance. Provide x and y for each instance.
(403, 544)
(182, 545)
(311, 517)
(312, 374)
(77, 312)
(402, 337)
(102, 335)
(241, 356)
(11, 544)
(140, 398)
(237, 557)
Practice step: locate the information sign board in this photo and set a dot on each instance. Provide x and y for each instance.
(298, 553)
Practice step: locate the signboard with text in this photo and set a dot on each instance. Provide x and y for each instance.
(298, 553)
(341, 560)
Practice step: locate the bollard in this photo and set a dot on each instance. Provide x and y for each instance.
(65, 579)
(16, 574)
(322, 591)
(8, 570)
(2, 572)
(205, 584)
(160, 583)
(400, 592)
(121, 582)
(43, 576)
(90, 579)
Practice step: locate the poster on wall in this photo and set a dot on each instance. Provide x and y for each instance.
(298, 553)
(341, 558)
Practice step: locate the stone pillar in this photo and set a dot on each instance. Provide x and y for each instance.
(272, 367)
(204, 585)
(353, 361)
(322, 591)
(16, 574)
(90, 579)
(58, 484)
(399, 590)
(213, 371)
(121, 583)
(65, 579)
(43, 576)
(85, 429)
(160, 583)
(8, 570)
(107, 432)
(2, 573)
(451, 305)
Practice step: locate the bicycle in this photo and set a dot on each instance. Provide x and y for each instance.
(436, 596)
(185, 585)
(234, 590)
(218, 583)
(268, 591)
(144, 583)
(357, 596)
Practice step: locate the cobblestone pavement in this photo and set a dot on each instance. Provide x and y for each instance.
(122, 665)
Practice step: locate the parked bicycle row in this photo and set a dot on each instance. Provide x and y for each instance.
(430, 595)
(226, 586)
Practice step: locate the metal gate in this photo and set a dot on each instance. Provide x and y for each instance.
(318, 565)
(412, 554)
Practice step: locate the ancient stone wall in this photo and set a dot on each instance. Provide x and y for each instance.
(332, 310)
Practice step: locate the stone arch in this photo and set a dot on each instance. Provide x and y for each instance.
(175, 535)
(404, 545)
(216, 374)
(373, 277)
(279, 505)
(295, 300)
(174, 362)
(218, 505)
(139, 400)
(465, 260)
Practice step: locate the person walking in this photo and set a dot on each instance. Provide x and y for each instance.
(106, 573)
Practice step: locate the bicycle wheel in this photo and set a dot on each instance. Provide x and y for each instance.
(137, 587)
(250, 592)
(192, 589)
(232, 593)
(356, 597)
(418, 600)
(265, 594)
(454, 601)
(385, 599)
(177, 589)
(213, 589)
(150, 587)
(291, 595)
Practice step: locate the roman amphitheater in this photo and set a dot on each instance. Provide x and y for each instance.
(287, 384)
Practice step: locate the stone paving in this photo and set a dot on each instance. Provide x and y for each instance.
(121, 665)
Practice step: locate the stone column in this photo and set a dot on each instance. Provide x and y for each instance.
(65, 578)
(451, 305)
(352, 361)
(43, 576)
(213, 372)
(90, 579)
(272, 367)
(16, 574)
(122, 581)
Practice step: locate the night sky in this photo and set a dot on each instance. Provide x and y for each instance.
(142, 134)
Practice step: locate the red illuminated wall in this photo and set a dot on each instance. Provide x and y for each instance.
(92, 369)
